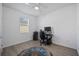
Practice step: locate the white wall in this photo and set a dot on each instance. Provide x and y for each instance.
(0, 19)
(64, 22)
(78, 28)
(0, 26)
(11, 27)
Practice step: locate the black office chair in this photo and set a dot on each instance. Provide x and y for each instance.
(48, 35)
(42, 36)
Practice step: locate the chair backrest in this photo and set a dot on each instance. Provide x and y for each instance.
(42, 34)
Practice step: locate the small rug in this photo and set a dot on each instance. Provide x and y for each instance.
(34, 51)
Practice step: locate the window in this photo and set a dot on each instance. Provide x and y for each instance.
(24, 24)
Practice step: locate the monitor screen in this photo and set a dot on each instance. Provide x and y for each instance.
(47, 28)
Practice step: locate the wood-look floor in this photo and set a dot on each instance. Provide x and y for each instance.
(56, 50)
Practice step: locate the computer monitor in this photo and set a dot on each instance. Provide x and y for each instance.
(47, 28)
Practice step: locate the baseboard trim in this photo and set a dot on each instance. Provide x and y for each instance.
(16, 44)
(63, 45)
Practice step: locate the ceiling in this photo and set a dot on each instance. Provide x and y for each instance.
(47, 7)
(44, 8)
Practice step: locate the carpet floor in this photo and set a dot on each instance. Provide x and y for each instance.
(56, 50)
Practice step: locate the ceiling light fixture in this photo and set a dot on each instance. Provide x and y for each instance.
(27, 3)
(36, 8)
